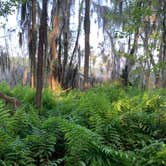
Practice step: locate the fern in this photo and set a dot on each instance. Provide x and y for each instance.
(5, 115)
(41, 145)
(85, 146)
(107, 125)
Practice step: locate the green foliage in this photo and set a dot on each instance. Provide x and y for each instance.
(7, 7)
(25, 94)
(107, 125)
(4, 88)
(48, 99)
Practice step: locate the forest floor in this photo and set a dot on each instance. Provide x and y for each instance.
(104, 126)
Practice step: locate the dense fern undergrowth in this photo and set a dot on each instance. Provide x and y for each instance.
(105, 126)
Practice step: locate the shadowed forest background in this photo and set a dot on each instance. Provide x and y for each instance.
(82, 82)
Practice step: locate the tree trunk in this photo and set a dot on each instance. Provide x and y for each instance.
(32, 49)
(163, 72)
(130, 62)
(78, 35)
(53, 81)
(24, 78)
(115, 61)
(66, 39)
(41, 47)
(73, 67)
(87, 44)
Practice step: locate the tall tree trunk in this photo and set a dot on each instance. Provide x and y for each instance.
(78, 35)
(53, 82)
(66, 39)
(163, 59)
(87, 45)
(130, 62)
(33, 45)
(115, 59)
(41, 49)
(72, 69)
(147, 53)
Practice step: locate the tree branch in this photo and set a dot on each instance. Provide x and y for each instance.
(10, 100)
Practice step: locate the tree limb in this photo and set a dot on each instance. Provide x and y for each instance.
(10, 100)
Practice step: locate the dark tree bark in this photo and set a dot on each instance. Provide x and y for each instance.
(41, 49)
(163, 59)
(130, 62)
(66, 39)
(87, 44)
(32, 45)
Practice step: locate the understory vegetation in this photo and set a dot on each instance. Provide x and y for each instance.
(104, 126)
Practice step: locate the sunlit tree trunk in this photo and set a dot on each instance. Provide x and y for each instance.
(24, 78)
(87, 44)
(147, 53)
(53, 81)
(41, 48)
